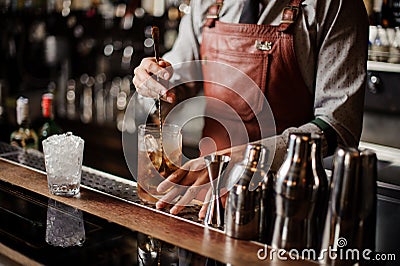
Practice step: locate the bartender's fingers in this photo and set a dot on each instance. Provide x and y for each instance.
(146, 85)
(169, 197)
(172, 180)
(161, 69)
(143, 81)
(190, 194)
(185, 176)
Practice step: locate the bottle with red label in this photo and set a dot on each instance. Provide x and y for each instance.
(49, 126)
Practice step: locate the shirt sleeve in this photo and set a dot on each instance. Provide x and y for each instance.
(279, 143)
(185, 55)
(186, 45)
(341, 68)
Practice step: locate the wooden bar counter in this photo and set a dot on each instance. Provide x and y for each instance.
(174, 230)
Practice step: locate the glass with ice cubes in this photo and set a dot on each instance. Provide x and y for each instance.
(159, 155)
(63, 156)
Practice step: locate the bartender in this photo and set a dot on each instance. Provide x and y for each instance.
(307, 57)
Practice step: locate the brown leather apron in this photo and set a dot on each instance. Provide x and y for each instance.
(266, 54)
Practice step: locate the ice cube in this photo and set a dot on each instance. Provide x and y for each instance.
(63, 154)
(151, 143)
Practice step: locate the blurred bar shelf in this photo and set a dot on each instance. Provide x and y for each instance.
(383, 67)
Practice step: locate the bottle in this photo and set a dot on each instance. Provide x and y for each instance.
(390, 13)
(24, 137)
(394, 50)
(49, 126)
(376, 13)
(242, 213)
(368, 6)
(386, 13)
(4, 125)
(380, 45)
(296, 195)
(396, 13)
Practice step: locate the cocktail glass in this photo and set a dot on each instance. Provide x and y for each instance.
(159, 155)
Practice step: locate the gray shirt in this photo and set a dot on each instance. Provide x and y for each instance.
(331, 44)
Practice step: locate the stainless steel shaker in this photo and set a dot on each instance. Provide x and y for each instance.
(267, 208)
(242, 211)
(366, 223)
(296, 192)
(342, 213)
(351, 218)
(321, 178)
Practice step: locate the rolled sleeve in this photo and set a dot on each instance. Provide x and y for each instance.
(341, 70)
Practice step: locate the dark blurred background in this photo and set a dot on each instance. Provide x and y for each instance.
(84, 52)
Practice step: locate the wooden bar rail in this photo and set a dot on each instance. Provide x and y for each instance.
(188, 235)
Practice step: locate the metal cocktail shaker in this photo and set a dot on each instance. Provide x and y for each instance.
(267, 208)
(296, 192)
(351, 217)
(366, 224)
(321, 178)
(341, 215)
(242, 212)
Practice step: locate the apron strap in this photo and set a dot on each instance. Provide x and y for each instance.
(213, 13)
(290, 14)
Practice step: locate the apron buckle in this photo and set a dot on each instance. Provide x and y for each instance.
(263, 45)
(289, 14)
(213, 10)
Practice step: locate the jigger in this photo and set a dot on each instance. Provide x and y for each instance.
(216, 164)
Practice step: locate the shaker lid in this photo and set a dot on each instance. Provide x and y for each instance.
(256, 155)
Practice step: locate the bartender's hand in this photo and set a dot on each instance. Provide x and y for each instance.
(186, 181)
(150, 87)
(189, 180)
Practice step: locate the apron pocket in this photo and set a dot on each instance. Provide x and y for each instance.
(238, 79)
